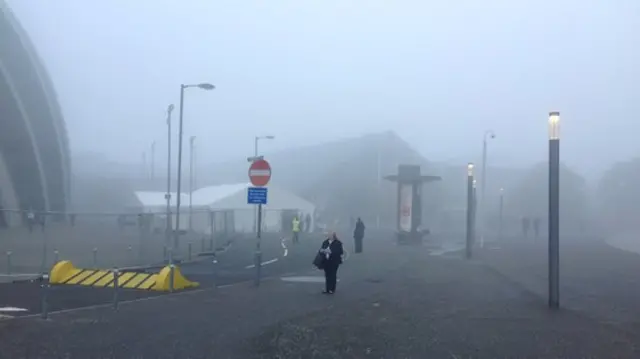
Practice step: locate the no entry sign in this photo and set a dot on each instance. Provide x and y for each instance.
(260, 173)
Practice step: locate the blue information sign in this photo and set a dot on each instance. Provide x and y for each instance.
(257, 195)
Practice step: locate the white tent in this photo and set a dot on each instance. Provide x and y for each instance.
(155, 202)
(280, 204)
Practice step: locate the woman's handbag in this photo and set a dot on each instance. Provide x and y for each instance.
(318, 261)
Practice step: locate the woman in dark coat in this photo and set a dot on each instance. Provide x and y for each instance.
(358, 235)
(332, 251)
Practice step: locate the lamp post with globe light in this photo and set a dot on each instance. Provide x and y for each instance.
(554, 210)
(470, 200)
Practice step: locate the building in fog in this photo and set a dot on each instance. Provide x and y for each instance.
(34, 150)
(342, 178)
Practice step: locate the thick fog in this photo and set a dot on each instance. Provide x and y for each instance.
(378, 83)
(437, 73)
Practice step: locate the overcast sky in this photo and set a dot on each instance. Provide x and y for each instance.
(439, 73)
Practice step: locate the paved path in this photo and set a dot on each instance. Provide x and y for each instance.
(233, 265)
(595, 278)
(405, 304)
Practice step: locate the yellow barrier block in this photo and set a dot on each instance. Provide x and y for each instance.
(94, 278)
(179, 281)
(86, 273)
(62, 271)
(150, 282)
(137, 279)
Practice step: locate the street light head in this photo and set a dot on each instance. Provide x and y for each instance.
(554, 125)
(490, 134)
(170, 108)
(470, 169)
(206, 86)
(474, 183)
(501, 190)
(269, 137)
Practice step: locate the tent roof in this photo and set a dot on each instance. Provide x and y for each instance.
(156, 199)
(226, 196)
(208, 195)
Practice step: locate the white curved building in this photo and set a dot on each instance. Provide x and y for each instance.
(34, 151)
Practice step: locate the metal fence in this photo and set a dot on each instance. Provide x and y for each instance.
(37, 240)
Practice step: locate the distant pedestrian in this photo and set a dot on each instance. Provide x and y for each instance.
(536, 227)
(42, 220)
(295, 227)
(31, 220)
(333, 251)
(358, 235)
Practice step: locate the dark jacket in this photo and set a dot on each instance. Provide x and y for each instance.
(335, 257)
(359, 231)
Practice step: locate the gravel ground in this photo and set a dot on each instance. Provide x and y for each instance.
(441, 309)
(405, 304)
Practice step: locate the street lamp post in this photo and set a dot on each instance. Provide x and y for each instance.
(470, 180)
(500, 213)
(203, 86)
(554, 210)
(258, 216)
(191, 147)
(167, 196)
(483, 182)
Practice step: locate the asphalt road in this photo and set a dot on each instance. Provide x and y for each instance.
(233, 265)
(392, 302)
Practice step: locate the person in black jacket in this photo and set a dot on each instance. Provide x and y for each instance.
(332, 250)
(358, 235)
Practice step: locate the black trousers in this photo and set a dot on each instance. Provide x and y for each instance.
(358, 245)
(330, 277)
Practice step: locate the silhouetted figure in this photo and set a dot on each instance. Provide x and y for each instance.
(295, 226)
(526, 223)
(31, 220)
(358, 235)
(332, 250)
(536, 227)
(42, 220)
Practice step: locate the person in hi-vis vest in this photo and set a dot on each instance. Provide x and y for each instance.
(295, 226)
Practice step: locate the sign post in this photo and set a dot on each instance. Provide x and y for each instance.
(259, 174)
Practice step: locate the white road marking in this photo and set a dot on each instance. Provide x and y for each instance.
(443, 251)
(262, 264)
(13, 309)
(284, 246)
